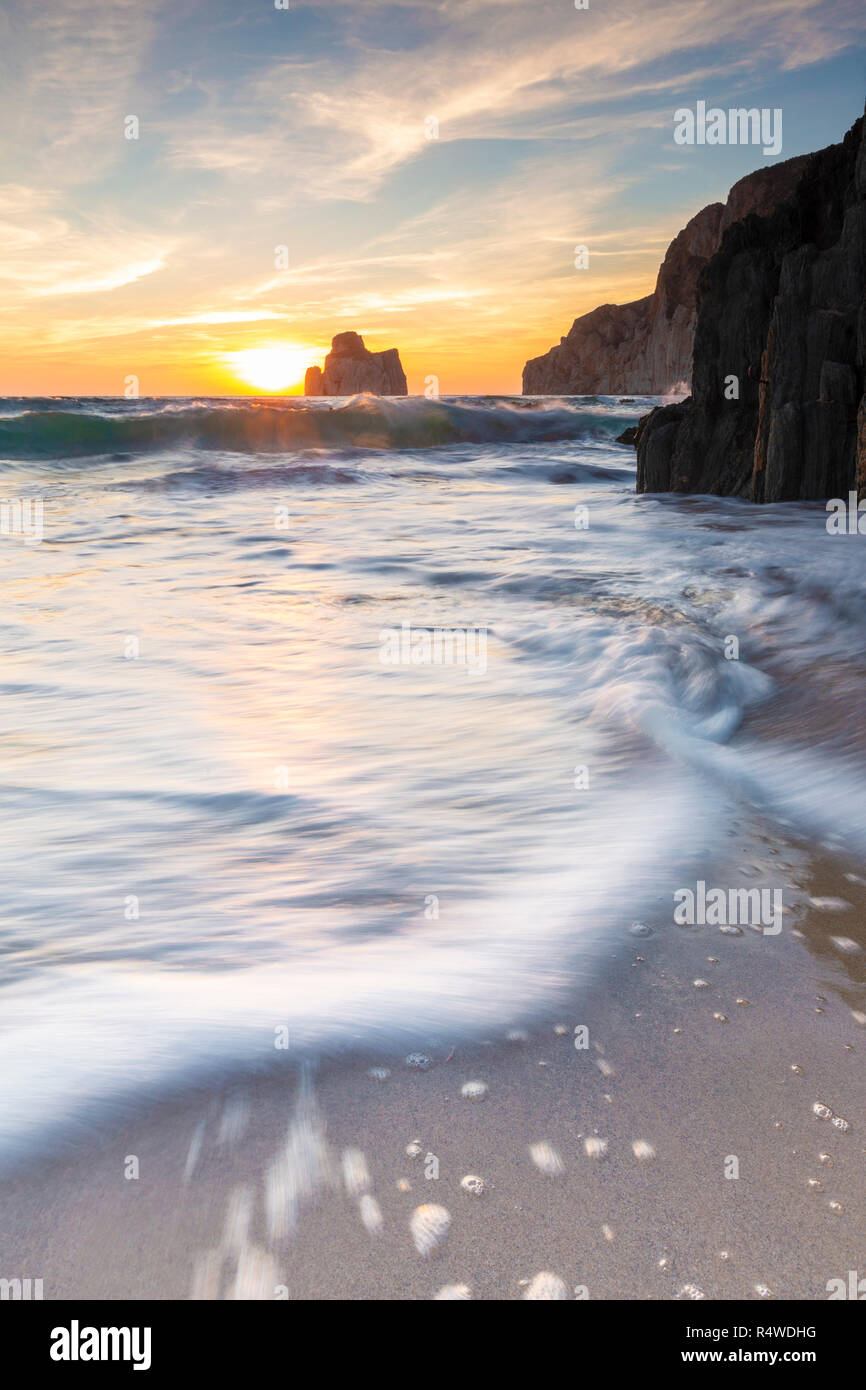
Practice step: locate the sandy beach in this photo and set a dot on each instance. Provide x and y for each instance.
(636, 1132)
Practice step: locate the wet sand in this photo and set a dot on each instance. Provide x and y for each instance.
(660, 1070)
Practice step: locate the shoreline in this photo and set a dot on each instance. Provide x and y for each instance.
(660, 1071)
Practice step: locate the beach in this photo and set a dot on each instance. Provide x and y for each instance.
(644, 1123)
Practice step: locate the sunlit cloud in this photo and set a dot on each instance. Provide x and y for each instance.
(111, 280)
(44, 253)
(429, 166)
(523, 73)
(219, 316)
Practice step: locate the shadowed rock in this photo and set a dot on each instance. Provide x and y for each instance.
(646, 347)
(782, 309)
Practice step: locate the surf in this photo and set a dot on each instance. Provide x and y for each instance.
(104, 428)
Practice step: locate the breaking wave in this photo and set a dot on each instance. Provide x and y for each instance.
(73, 429)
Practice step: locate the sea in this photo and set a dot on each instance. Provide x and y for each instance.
(357, 724)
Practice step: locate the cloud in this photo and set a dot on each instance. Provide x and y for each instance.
(108, 280)
(220, 316)
(311, 127)
(43, 252)
(338, 126)
(70, 74)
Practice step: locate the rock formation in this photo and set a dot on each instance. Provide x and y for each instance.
(645, 347)
(779, 353)
(351, 368)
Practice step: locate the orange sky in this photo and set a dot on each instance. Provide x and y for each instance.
(418, 172)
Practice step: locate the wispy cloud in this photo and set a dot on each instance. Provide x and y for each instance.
(44, 253)
(109, 280)
(71, 72)
(340, 125)
(432, 166)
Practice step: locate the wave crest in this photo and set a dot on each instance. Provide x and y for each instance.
(72, 429)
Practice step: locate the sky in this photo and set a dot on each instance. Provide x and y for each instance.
(419, 172)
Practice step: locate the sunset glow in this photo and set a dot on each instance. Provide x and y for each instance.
(270, 368)
(189, 193)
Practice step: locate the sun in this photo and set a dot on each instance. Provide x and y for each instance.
(270, 368)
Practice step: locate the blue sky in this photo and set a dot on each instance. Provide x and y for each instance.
(308, 127)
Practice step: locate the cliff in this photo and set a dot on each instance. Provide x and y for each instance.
(645, 348)
(778, 409)
(351, 368)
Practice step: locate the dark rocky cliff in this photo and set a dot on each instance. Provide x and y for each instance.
(781, 308)
(645, 348)
(350, 368)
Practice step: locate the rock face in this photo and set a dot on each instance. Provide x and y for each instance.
(781, 308)
(645, 348)
(351, 368)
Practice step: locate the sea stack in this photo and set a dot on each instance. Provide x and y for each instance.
(778, 411)
(350, 368)
(645, 348)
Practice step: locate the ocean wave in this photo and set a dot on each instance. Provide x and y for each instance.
(73, 430)
(498, 959)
